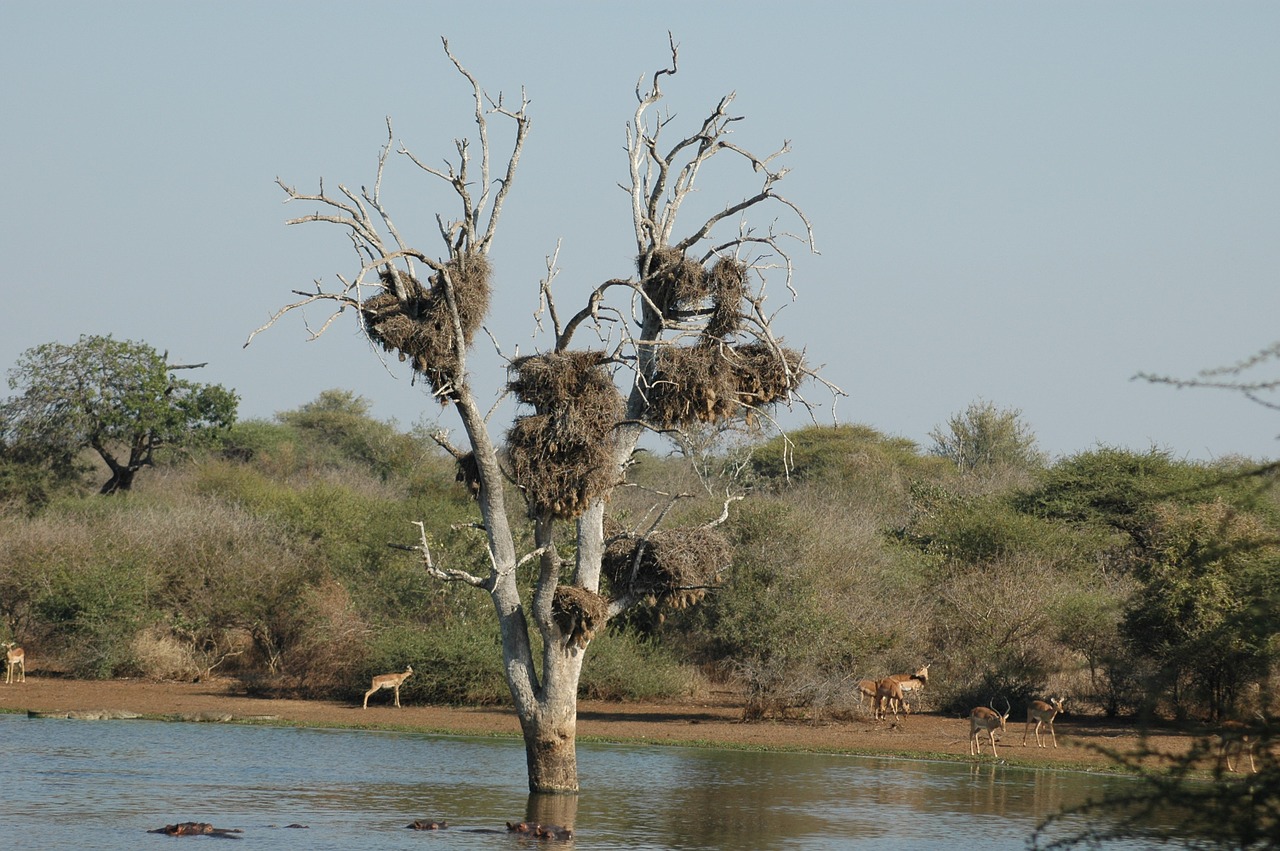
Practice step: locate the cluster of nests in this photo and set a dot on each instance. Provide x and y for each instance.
(420, 327)
(714, 379)
(673, 567)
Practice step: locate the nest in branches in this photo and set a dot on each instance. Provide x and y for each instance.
(675, 282)
(420, 327)
(765, 376)
(468, 473)
(710, 383)
(728, 285)
(560, 475)
(562, 457)
(558, 380)
(578, 613)
(674, 566)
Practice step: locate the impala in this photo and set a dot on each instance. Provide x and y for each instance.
(1235, 736)
(14, 657)
(889, 692)
(907, 682)
(867, 689)
(1042, 713)
(986, 718)
(912, 682)
(391, 681)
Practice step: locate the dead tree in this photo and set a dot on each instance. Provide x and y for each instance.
(687, 338)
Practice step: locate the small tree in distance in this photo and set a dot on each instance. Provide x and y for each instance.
(689, 342)
(986, 437)
(116, 397)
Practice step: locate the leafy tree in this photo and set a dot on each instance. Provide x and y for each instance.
(1204, 577)
(116, 397)
(340, 419)
(985, 437)
(701, 349)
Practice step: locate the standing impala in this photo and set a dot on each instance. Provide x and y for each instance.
(14, 657)
(391, 681)
(1235, 737)
(1042, 713)
(889, 693)
(986, 718)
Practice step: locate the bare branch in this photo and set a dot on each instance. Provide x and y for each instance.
(451, 575)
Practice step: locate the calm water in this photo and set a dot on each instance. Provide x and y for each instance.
(103, 784)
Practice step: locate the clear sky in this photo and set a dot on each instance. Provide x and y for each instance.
(1025, 203)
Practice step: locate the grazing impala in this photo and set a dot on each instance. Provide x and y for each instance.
(1042, 713)
(14, 657)
(391, 681)
(986, 718)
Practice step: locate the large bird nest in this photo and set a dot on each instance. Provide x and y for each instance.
(468, 473)
(712, 383)
(728, 284)
(562, 456)
(578, 613)
(559, 475)
(675, 282)
(558, 381)
(420, 327)
(672, 566)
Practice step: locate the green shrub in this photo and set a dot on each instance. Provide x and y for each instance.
(622, 666)
(456, 664)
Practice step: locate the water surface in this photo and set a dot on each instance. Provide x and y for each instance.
(104, 784)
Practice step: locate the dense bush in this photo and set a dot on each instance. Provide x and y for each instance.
(1124, 580)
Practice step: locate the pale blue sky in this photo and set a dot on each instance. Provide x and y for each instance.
(1021, 202)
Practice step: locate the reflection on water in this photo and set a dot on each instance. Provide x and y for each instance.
(85, 784)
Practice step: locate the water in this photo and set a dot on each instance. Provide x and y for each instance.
(104, 784)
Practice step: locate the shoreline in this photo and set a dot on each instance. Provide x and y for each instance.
(715, 722)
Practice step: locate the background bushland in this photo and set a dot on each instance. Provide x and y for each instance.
(1128, 581)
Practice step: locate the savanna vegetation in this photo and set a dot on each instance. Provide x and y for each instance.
(1130, 581)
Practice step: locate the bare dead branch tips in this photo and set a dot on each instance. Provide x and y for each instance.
(672, 566)
(655, 91)
(344, 302)
(444, 575)
(579, 614)
(591, 311)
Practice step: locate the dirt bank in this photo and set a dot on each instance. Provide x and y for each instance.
(713, 722)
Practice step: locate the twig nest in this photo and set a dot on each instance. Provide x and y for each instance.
(559, 475)
(417, 323)
(727, 282)
(562, 456)
(712, 383)
(671, 566)
(675, 282)
(468, 473)
(578, 613)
